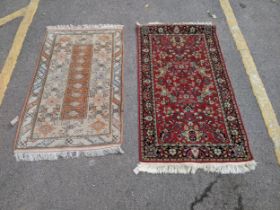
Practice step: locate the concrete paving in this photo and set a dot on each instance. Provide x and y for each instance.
(108, 183)
(7, 33)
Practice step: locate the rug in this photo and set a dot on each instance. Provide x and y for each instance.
(75, 104)
(188, 115)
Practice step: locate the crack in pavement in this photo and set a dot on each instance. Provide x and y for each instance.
(240, 203)
(205, 193)
(239, 199)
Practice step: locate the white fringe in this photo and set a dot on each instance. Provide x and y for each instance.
(191, 168)
(179, 23)
(83, 27)
(35, 156)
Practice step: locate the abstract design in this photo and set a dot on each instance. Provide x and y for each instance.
(187, 109)
(76, 97)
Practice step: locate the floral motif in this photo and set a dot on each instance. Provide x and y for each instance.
(187, 108)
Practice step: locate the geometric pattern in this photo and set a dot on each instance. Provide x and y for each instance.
(75, 100)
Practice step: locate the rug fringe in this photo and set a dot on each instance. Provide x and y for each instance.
(35, 156)
(188, 23)
(191, 168)
(81, 27)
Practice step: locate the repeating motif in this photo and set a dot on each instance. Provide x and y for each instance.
(76, 97)
(76, 94)
(187, 107)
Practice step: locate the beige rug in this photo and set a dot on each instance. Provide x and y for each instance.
(75, 104)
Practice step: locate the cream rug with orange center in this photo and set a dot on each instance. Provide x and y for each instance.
(75, 102)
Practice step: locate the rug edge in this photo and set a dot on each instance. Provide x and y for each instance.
(85, 26)
(176, 23)
(191, 168)
(54, 155)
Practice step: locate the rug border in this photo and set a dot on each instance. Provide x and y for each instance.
(141, 161)
(71, 149)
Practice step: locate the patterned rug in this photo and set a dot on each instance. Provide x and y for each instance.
(188, 115)
(75, 104)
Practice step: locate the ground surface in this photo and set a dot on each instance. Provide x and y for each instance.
(108, 182)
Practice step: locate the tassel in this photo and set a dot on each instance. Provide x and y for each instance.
(34, 156)
(191, 168)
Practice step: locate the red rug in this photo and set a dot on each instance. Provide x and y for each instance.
(188, 115)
